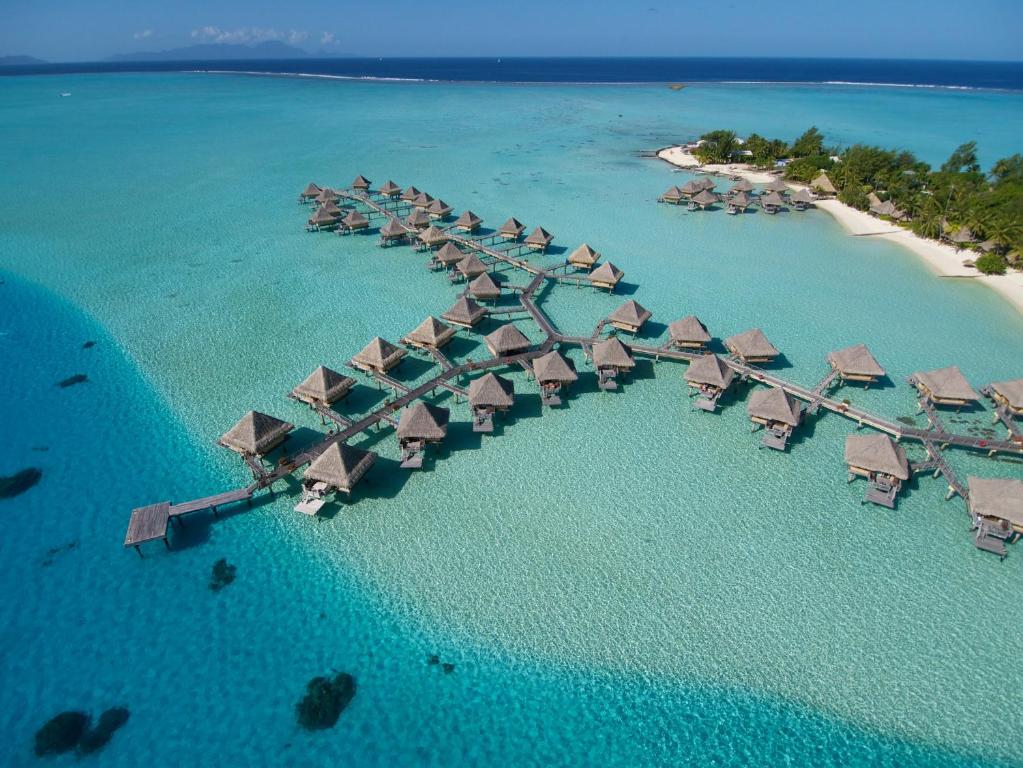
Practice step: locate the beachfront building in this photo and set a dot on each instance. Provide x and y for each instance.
(429, 335)
(465, 312)
(506, 340)
(703, 200)
(771, 202)
(673, 195)
(418, 220)
(255, 435)
(822, 185)
(1008, 395)
(606, 276)
(630, 316)
(944, 386)
(996, 505)
(361, 184)
(470, 267)
(438, 209)
(738, 203)
(553, 372)
(389, 189)
(881, 461)
(323, 387)
(421, 424)
(688, 333)
(432, 236)
(611, 357)
(583, 257)
(392, 232)
(962, 236)
(488, 395)
(539, 239)
(778, 413)
(801, 199)
(855, 363)
(335, 471)
(709, 377)
(468, 222)
(379, 356)
(752, 346)
(511, 229)
(484, 288)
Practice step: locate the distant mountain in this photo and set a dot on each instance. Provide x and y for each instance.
(270, 49)
(19, 61)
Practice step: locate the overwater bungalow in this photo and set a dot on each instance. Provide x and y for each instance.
(327, 195)
(944, 386)
(361, 184)
(471, 267)
(389, 189)
(882, 461)
(777, 185)
(323, 387)
(742, 185)
(420, 424)
(392, 232)
(688, 333)
(710, 377)
(996, 505)
(673, 195)
(511, 229)
(801, 199)
(606, 276)
(772, 202)
(1009, 395)
(418, 219)
(752, 346)
(773, 409)
(432, 237)
(326, 216)
(506, 340)
(310, 192)
(855, 363)
(583, 257)
(354, 221)
(379, 356)
(484, 288)
(611, 357)
(410, 194)
(438, 209)
(255, 434)
(335, 471)
(448, 255)
(422, 201)
(703, 200)
(465, 313)
(738, 203)
(488, 394)
(630, 316)
(429, 334)
(539, 239)
(468, 222)
(552, 372)
(822, 185)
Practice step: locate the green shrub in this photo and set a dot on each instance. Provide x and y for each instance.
(991, 264)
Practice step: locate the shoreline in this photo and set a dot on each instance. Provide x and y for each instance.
(941, 259)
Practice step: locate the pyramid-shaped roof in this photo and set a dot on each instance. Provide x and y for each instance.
(468, 219)
(506, 340)
(876, 452)
(612, 353)
(631, 313)
(484, 287)
(606, 273)
(465, 311)
(392, 228)
(340, 466)
(355, 220)
(439, 208)
(947, 384)
(471, 266)
(512, 227)
(418, 219)
(1011, 390)
(422, 421)
(1000, 498)
(856, 361)
(539, 236)
(583, 256)
(410, 194)
(449, 254)
(554, 367)
(774, 404)
(709, 370)
(361, 182)
(433, 236)
(255, 433)
(491, 391)
(324, 385)
(379, 353)
(389, 188)
(431, 332)
(311, 190)
(751, 343)
(689, 330)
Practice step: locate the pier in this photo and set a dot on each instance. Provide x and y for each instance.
(504, 250)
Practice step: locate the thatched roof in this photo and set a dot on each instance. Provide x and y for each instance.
(801, 196)
(506, 340)
(887, 208)
(706, 182)
(439, 208)
(340, 466)
(947, 384)
(491, 391)
(691, 187)
(997, 497)
(433, 236)
(873, 199)
(539, 236)
(611, 353)
(776, 185)
(423, 421)
(324, 215)
(554, 367)
(327, 195)
(410, 194)
(773, 404)
(751, 343)
(431, 332)
(876, 452)
(465, 311)
(742, 185)
(631, 313)
(856, 361)
(324, 385)
(673, 194)
(822, 182)
(741, 200)
(963, 235)
(606, 273)
(512, 227)
(449, 254)
(689, 330)
(392, 228)
(1012, 391)
(379, 353)
(255, 433)
(705, 197)
(710, 370)
(469, 220)
(583, 256)
(471, 266)
(772, 199)
(484, 287)
(361, 182)
(987, 246)
(355, 220)
(389, 188)
(311, 190)
(422, 200)
(418, 219)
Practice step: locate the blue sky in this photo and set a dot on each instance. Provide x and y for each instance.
(78, 30)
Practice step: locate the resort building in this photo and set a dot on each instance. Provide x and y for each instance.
(448, 255)
(688, 333)
(354, 221)
(673, 195)
(710, 377)
(752, 346)
(378, 356)
(630, 316)
(1009, 395)
(738, 203)
(361, 184)
(742, 185)
(822, 185)
(801, 199)
(422, 201)
(438, 209)
(432, 237)
(882, 461)
(606, 276)
(471, 267)
(552, 372)
(583, 257)
(323, 387)
(392, 232)
(335, 471)
(611, 357)
(325, 217)
(488, 394)
(703, 200)
(779, 414)
(777, 185)
(484, 288)
(511, 229)
(855, 363)
(944, 386)
(410, 194)
(468, 222)
(465, 313)
(996, 505)
(430, 334)
(389, 189)
(421, 424)
(772, 202)
(539, 239)
(418, 219)
(327, 195)
(506, 340)
(310, 192)
(255, 434)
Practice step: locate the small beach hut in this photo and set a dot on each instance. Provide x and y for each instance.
(688, 333)
(710, 377)
(432, 236)
(855, 363)
(410, 194)
(325, 217)
(422, 201)
(945, 386)
(465, 313)
(484, 288)
(822, 185)
(777, 185)
(996, 505)
(429, 334)
(772, 202)
(611, 357)
(361, 184)
(774, 410)
(988, 246)
(392, 231)
(488, 394)
(323, 387)
(1009, 395)
(389, 189)
(607, 276)
(468, 222)
(703, 199)
(873, 200)
(552, 372)
(801, 199)
(354, 221)
(506, 340)
(673, 195)
(378, 356)
(738, 203)
(752, 346)
(438, 209)
(511, 229)
(420, 425)
(583, 257)
(539, 239)
(882, 461)
(448, 255)
(337, 470)
(963, 236)
(418, 219)
(630, 316)
(255, 434)
(310, 192)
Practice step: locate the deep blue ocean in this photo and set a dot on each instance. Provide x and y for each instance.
(953, 74)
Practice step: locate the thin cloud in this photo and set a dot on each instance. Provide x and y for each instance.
(145, 33)
(328, 40)
(247, 35)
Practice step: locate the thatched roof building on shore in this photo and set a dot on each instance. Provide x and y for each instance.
(607, 276)
(323, 386)
(855, 363)
(506, 340)
(255, 434)
(511, 229)
(340, 467)
(1008, 394)
(752, 346)
(430, 334)
(379, 355)
(688, 333)
(484, 288)
(822, 185)
(465, 313)
(630, 316)
(945, 386)
(539, 239)
(583, 257)
(468, 222)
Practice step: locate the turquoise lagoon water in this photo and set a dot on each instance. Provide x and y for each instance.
(623, 581)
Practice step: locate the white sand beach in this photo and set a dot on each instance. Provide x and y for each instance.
(942, 259)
